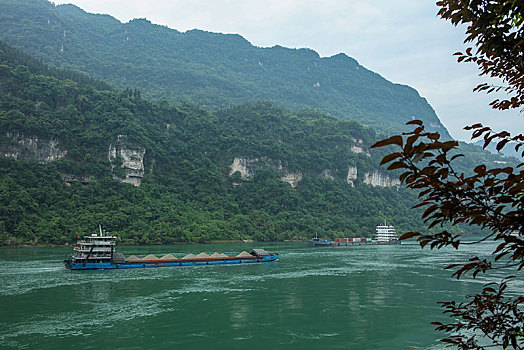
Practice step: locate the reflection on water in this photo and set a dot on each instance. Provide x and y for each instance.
(348, 298)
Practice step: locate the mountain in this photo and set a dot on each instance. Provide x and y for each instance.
(212, 70)
(76, 153)
(507, 151)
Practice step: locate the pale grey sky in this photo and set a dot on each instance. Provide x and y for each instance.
(403, 41)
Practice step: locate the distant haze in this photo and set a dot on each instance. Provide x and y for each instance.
(403, 41)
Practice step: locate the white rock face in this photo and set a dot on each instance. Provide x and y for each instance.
(377, 179)
(292, 178)
(132, 160)
(359, 148)
(356, 149)
(352, 175)
(22, 147)
(247, 167)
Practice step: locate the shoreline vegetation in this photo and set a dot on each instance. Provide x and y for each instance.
(16, 246)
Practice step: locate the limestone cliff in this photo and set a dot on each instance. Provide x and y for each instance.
(376, 178)
(352, 175)
(247, 166)
(31, 148)
(131, 160)
(292, 178)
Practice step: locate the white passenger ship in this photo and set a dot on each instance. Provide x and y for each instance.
(386, 233)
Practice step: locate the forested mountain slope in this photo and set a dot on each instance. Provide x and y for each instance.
(76, 153)
(208, 69)
(72, 149)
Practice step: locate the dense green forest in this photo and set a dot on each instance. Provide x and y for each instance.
(212, 70)
(187, 193)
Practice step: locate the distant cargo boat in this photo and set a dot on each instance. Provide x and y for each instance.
(385, 235)
(97, 252)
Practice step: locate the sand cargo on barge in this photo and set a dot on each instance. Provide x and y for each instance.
(97, 252)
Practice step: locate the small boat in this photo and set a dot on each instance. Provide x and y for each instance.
(385, 235)
(96, 252)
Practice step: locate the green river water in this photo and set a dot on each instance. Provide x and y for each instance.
(374, 297)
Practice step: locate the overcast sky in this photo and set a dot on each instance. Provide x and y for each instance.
(403, 41)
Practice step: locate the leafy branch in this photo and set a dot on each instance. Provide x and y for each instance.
(492, 199)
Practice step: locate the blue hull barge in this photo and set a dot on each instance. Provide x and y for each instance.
(97, 252)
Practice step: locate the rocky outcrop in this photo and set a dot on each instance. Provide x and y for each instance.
(31, 148)
(247, 166)
(375, 178)
(352, 175)
(292, 178)
(131, 160)
(359, 147)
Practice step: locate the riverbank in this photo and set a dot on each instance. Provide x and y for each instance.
(15, 246)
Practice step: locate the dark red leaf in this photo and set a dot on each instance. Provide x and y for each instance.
(390, 157)
(397, 165)
(501, 144)
(474, 126)
(393, 140)
(480, 169)
(409, 235)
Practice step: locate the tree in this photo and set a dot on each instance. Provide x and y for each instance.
(497, 30)
(492, 199)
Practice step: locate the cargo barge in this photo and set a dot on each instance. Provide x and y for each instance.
(385, 235)
(97, 252)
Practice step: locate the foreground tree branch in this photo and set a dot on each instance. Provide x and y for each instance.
(496, 29)
(490, 199)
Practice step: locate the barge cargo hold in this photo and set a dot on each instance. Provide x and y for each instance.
(96, 252)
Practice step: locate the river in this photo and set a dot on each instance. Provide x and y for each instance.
(373, 297)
